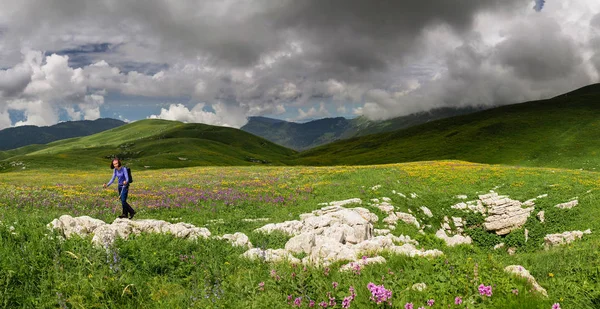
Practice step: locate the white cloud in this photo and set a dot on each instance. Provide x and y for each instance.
(223, 115)
(312, 113)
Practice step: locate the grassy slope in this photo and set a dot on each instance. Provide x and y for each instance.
(559, 132)
(154, 144)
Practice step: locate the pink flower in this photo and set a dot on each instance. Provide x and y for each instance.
(298, 302)
(311, 303)
(408, 306)
(458, 300)
(335, 285)
(515, 291)
(346, 302)
(261, 286)
(430, 302)
(323, 304)
(485, 290)
(379, 293)
(556, 306)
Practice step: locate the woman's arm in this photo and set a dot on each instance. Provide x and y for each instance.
(113, 177)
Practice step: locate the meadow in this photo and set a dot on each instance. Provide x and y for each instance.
(38, 269)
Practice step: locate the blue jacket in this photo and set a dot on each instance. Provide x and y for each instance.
(120, 174)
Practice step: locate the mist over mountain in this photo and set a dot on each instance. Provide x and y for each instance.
(303, 136)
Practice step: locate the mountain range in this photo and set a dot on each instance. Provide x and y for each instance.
(561, 132)
(16, 137)
(303, 136)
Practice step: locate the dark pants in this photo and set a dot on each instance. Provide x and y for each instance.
(123, 191)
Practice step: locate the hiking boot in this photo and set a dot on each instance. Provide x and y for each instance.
(131, 215)
(122, 216)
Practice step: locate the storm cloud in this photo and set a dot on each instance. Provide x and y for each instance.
(219, 61)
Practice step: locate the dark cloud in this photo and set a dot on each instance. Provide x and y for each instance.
(540, 52)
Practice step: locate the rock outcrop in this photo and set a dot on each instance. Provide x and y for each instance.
(504, 214)
(563, 238)
(524, 273)
(335, 233)
(105, 234)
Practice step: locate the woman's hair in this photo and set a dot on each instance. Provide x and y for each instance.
(113, 160)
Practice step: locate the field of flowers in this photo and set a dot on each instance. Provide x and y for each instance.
(40, 270)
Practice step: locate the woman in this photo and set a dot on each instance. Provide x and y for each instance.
(123, 187)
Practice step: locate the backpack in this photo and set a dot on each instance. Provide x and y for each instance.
(129, 174)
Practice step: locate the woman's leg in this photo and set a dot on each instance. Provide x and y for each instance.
(127, 209)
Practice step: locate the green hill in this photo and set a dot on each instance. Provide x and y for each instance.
(16, 137)
(560, 132)
(150, 144)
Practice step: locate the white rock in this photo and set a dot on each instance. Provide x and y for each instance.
(360, 263)
(540, 216)
(454, 240)
(426, 211)
(520, 271)
(564, 238)
(408, 218)
(567, 205)
(105, 234)
(238, 239)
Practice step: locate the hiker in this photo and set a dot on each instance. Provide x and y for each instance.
(123, 187)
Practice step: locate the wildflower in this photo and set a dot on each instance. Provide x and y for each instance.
(430, 302)
(290, 297)
(551, 275)
(323, 304)
(485, 290)
(458, 300)
(379, 293)
(346, 302)
(515, 291)
(335, 285)
(311, 303)
(408, 306)
(352, 292)
(273, 273)
(261, 286)
(556, 306)
(326, 271)
(298, 301)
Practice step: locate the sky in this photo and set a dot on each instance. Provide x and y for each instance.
(220, 61)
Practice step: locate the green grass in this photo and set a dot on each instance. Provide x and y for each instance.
(39, 270)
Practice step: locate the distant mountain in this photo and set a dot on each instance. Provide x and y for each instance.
(303, 136)
(558, 132)
(16, 137)
(151, 143)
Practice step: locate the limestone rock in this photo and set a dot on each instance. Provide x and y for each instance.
(505, 214)
(567, 205)
(563, 238)
(520, 271)
(360, 263)
(540, 216)
(426, 211)
(454, 240)
(105, 234)
(238, 239)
